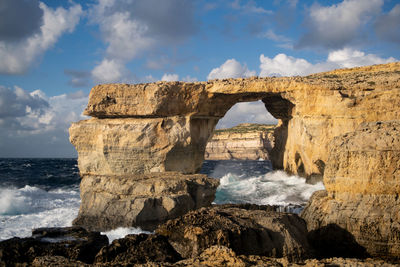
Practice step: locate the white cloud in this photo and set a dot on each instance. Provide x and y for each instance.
(175, 77)
(170, 77)
(338, 25)
(230, 69)
(133, 28)
(347, 58)
(17, 57)
(246, 112)
(283, 65)
(108, 71)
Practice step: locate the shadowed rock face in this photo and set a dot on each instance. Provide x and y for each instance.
(161, 127)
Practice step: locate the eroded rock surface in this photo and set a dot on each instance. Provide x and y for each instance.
(142, 200)
(362, 179)
(257, 231)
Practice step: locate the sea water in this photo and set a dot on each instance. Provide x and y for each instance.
(45, 192)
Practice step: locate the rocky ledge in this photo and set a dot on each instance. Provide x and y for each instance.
(223, 235)
(143, 200)
(246, 141)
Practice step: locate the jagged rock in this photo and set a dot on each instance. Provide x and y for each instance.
(245, 231)
(141, 200)
(362, 182)
(74, 243)
(245, 142)
(134, 249)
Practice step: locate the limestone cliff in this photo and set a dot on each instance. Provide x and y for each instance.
(362, 179)
(244, 142)
(177, 118)
(165, 126)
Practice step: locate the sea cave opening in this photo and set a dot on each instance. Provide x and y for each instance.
(246, 154)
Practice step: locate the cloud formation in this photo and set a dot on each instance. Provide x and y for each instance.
(283, 65)
(17, 56)
(230, 69)
(338, 25)
(131, 28)
(35, 124)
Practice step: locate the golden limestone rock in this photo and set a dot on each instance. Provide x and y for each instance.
(362, 179)
(165, 126)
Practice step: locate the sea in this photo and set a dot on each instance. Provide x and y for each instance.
(45, 192)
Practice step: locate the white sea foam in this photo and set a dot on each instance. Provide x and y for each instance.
(30, 207)
(122, 232)
(274, 188)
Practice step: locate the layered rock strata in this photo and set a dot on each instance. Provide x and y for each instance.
(143, 200)
(173, 121)
(243, 142)
(161, 127)
(362, 180)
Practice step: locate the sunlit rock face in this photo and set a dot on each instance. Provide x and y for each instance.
(175, 119)
(165, 126)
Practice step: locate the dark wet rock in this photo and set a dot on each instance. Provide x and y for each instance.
(135, 249)
(73, 243)
(253, 231)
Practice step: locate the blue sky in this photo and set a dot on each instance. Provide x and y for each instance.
(53, 52)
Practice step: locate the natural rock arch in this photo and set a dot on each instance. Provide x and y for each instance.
(141, 129)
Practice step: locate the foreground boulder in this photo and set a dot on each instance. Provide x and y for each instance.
(135, 249)
(73, 243)
(141, 200)
(246, 229)
(361, 202)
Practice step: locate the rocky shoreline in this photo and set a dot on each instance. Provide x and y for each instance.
(141, 150)
(220, 235)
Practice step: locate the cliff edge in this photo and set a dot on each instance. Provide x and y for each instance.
(246, 141)
(339, 126)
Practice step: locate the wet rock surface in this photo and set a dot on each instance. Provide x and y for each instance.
(254, 231)
(135, 249)
(73, 243)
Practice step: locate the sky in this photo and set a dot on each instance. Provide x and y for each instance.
(53, 52)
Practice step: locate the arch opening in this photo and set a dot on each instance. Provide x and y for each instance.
(246, 153)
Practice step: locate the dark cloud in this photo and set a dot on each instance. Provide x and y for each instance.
(78, 78)
(387, 26)
(18, 103)
(19, 19)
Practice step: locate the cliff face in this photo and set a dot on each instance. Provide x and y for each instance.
(161, 127)
(244, 142)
